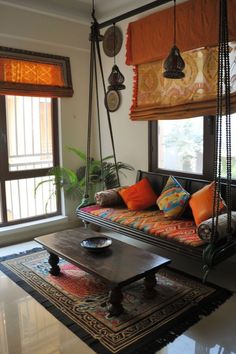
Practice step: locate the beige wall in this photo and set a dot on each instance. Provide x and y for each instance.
(131, 138)
(24, 29)
(43, 33)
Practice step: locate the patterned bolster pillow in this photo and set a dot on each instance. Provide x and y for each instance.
(109, 197)
(205, 228)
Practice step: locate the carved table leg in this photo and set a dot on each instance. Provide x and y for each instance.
(150, 283)
(53, 260)
(115, 300)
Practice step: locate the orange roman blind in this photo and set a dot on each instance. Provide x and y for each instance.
(34, 74)
(197, 25)
(148, 44)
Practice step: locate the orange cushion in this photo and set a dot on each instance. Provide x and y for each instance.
(139, 196)
(201, 203)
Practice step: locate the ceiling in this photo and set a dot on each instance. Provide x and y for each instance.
(79, 10)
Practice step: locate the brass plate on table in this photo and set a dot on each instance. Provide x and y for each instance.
(111, 45)
(112, 100)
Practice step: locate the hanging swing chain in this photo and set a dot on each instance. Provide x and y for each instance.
(99, 121)
(94, 38)
(108, 114)
(88, 158)
(228, 121)
(217, 135)
(223, 82)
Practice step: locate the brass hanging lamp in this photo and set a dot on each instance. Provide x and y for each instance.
(174, 63)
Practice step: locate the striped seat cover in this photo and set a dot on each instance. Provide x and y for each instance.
(151, 222)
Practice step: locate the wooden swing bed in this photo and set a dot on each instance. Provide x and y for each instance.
(217, 250)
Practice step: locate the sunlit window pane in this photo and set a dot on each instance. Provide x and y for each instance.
(180, 145)
(23, 202)
(29, 132)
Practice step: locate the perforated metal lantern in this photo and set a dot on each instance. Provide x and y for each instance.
(174, 65)
(116, 79)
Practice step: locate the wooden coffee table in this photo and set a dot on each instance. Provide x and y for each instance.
(119, 265)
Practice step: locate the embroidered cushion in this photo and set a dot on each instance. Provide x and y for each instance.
(201, 203)
(139, 196)
(109, 197)
(173, 198)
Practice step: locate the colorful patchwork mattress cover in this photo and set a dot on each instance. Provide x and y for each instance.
(151, 222)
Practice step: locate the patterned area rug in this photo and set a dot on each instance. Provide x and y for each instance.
(79, 300)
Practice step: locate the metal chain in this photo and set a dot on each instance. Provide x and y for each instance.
(223, 106)
(217, 131)
(228, 120)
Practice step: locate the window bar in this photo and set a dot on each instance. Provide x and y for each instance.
(20, 208)
(24, 125)
(35, 200)
(11, 199)
(50, 200)
(3, 202)
(43, 195)
(47, 126)
(32, 123)
(41, 122)
(16, 135)
(27, 192)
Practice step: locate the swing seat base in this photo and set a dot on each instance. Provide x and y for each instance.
(210, 256)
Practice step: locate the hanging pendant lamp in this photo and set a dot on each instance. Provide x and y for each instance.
(116, 78)
(174, 63)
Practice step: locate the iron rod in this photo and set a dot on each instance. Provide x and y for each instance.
(134, 12)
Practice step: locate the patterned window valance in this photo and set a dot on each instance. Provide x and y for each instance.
(26, 73)
(149, 41)
(155, 97)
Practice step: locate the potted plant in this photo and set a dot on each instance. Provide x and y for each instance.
(102, 175)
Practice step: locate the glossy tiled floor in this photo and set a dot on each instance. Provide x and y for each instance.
(27, 328)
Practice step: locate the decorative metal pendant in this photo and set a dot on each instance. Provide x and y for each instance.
(174, 65)
(116, 79)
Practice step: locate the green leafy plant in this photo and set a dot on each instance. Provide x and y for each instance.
(102, 175)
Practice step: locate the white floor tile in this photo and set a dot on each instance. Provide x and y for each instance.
(27, 328)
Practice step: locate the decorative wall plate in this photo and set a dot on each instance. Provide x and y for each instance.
(111, 45)
(112, 100)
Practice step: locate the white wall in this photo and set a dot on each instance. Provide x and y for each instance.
(131, 138)
(27, 30)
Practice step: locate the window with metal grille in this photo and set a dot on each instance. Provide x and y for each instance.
(28, 149)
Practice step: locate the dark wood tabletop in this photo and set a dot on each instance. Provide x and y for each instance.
(120, 264)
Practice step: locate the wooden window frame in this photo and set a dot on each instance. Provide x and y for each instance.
(6, 175)
(208, 151)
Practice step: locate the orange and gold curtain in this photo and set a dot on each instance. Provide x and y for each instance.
(149, 41)
(159, 98)
(34, 74)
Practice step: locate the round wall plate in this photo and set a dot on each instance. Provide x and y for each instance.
(112, 100)
(111, 45)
